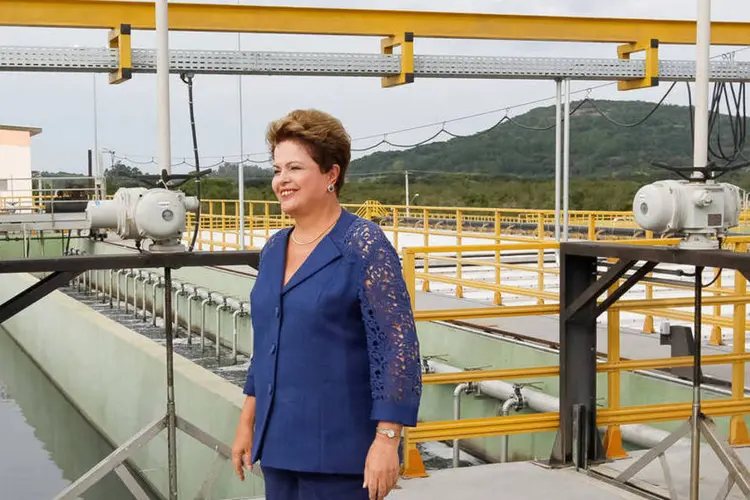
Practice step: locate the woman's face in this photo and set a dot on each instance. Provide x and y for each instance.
(298, 183)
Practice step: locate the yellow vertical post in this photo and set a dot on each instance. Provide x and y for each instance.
(613, 436)
(738, 434)
(648, 322)
(426, 282)
(592, 227)
(267, 219)
(716, 329)
(540, 258)
(119, 38)
(211, 226)
(251, 222)
(410, 275)
(406, 42)
(413, 466)
(223, 225)
(459, 231)
(498, 241)
(395, 228)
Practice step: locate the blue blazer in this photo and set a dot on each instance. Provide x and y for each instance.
(335, 351)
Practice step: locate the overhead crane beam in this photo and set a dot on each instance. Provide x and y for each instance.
(107, 14)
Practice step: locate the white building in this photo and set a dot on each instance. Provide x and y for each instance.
(15, 164)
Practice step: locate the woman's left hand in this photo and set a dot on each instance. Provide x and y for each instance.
(381, 467)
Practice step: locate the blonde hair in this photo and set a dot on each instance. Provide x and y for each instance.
(323, 135)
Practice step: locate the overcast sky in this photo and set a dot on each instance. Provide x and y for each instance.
(63, 105)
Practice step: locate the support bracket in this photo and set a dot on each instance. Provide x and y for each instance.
(406, 42)
(119, 38)
(651, 78)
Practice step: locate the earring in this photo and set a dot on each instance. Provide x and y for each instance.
(331, 187)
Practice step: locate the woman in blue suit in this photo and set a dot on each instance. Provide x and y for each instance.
(335, 372)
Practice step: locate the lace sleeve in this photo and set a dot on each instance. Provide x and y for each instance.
(395, 369)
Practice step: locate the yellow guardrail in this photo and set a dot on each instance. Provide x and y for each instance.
(488, 257)
(425, 225)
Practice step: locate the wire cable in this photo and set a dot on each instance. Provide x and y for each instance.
(187, 78)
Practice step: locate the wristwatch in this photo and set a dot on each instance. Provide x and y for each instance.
(389, 433)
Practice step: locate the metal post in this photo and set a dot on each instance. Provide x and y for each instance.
(558, 158)
(406, 188)
(566, 162)
(162, 86)
(702, 70)
(171, 420)
(241, 169)
(577, 361)
(695, 442)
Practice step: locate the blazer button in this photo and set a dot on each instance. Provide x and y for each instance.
(273, 348)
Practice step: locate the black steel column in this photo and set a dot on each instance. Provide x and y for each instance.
(577, 366)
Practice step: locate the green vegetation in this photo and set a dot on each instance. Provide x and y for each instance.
(509, 165)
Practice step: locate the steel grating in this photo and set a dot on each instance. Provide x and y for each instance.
(95, 59)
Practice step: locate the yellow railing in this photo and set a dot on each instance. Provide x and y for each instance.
(489, 258)
(419, 225)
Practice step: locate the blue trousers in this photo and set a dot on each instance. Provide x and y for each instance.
(283, 484)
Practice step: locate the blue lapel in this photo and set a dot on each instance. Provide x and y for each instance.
(324, 253)
(275, 260)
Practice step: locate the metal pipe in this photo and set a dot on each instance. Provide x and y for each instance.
(641, 435)
(162, 89)
(127, 290)
(118, 273)
(695, 441)
(508, 405)
(241, 168)
(171, 413)
(111, 279)
(219, 308)
(702, 73)
(191, 299)
(235, 315)
(203, 320)
(558, 159)
(157, 284)
(566, 162)
(462, 387)
(149, 280)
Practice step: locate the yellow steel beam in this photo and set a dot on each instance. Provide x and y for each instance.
(651, 79)
(107, 14)
(406, 42)
(120, 39)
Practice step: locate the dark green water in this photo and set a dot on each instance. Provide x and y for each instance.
(45, 443)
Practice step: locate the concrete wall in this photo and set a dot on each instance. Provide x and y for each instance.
(116, 378)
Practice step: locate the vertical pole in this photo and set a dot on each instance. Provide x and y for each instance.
(566, 162)
(97, 160)
(695, 442)
(577, 364)
(702, 63)
(171, 414)
(241, 169)
(162, 86)
(558, 156)
(406, 185)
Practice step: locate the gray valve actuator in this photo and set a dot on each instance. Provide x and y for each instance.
(145, 214)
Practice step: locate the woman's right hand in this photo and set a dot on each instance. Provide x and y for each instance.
(242, 450)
